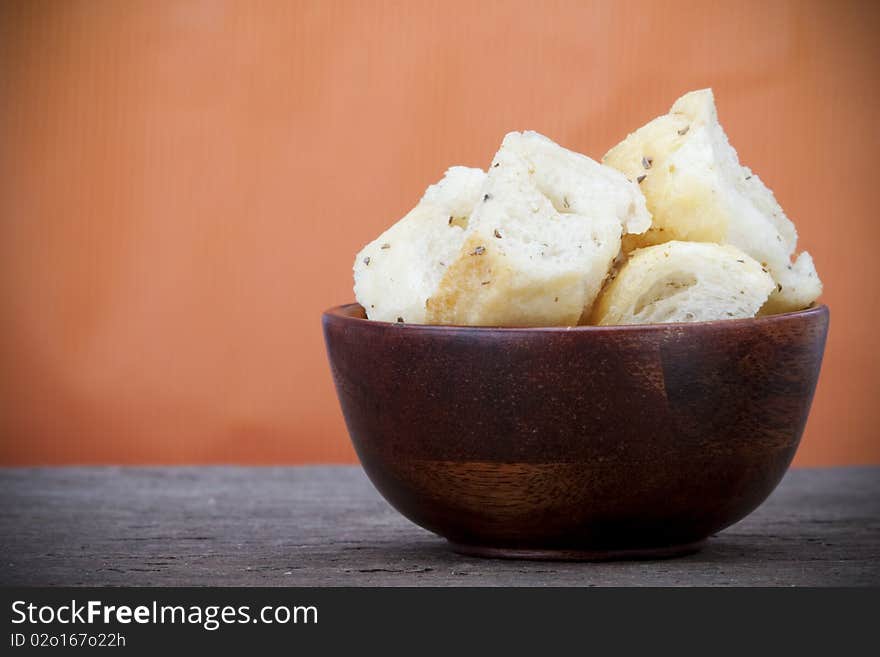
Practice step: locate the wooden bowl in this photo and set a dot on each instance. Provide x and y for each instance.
(576, 443)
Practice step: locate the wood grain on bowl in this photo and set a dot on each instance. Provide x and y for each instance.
(576, 442)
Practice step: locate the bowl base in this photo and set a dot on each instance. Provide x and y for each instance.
(564, 554)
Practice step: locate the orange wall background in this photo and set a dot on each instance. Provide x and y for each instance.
(183, 187)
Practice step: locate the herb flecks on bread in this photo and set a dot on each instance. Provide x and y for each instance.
(697, 191)
(396, 273)
(684, 282)
(669, 228)
(540, 241)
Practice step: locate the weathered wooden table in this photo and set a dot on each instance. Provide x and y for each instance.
(317, 526)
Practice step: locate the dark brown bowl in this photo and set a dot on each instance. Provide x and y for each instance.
(586, 442)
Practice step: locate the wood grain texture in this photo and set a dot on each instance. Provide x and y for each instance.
(583, 440)
(327, 526)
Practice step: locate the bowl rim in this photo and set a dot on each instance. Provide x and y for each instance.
(339, 313)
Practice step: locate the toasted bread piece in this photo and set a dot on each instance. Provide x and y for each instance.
(697, 190)
(541, 240)
(396, 273)
(684, 282)
(797, 286)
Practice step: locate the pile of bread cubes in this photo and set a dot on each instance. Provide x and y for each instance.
(668, 228)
